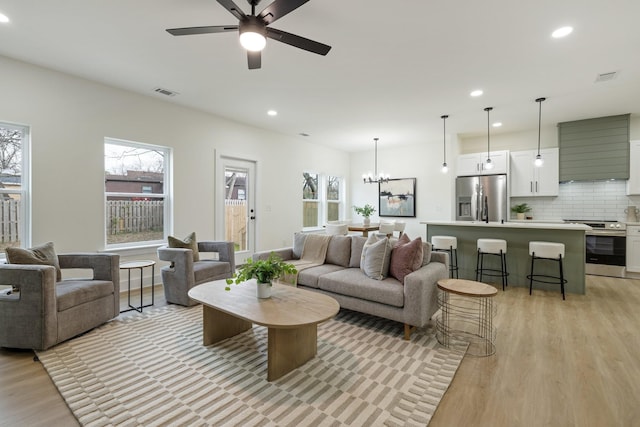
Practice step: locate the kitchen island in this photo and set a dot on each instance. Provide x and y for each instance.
(518, 235)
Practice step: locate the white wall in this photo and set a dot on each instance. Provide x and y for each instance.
(69, 118)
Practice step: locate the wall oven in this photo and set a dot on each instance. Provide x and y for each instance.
(606, 247)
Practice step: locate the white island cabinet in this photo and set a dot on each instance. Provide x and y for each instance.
(528, 180)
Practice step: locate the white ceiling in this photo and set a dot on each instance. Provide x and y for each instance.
(395, 67)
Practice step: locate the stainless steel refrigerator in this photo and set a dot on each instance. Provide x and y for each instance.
(481, 198)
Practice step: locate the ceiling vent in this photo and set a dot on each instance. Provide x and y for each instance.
(165, 92)
(605, 77)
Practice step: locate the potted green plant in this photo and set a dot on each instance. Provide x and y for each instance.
(365, 211)
(520, 210)
(264, 271)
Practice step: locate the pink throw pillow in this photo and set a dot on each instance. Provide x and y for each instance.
(406, 257)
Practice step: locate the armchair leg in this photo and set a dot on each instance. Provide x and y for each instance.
(407, 331)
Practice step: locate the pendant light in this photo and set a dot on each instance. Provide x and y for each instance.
(375, 178)
(539, 161)
(445, 169)
(488, 165)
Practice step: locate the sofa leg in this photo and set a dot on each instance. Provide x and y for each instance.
(407, 331)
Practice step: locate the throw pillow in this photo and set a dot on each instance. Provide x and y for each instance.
(39, 255)
(188, 242)
(298, 244)
(406, 257)
(376, 255)
(426, 256)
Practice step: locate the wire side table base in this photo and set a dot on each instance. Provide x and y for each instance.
(466, 316)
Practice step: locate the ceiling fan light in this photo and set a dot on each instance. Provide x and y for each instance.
(254, 42)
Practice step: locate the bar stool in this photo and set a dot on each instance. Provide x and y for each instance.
(447, 244)
(551, 251)
(492, 247)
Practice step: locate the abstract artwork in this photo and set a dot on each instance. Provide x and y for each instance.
(398, 197)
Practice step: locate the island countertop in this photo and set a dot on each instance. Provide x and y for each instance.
(518, 235)
(513, 224)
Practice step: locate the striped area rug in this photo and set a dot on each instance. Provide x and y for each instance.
(151, 369)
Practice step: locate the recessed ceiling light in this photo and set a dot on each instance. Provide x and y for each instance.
(497, 124)
(4, 18)
(561, 32)
(476, 92)
(272, 112)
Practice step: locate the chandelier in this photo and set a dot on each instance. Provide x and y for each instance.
(376, 177)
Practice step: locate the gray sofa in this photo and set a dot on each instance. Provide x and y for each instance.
(411, 303)
(44, 312)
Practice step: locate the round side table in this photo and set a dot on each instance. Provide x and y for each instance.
(466, 315)
(141, 265)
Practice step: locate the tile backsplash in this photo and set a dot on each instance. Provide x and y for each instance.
(603, 200)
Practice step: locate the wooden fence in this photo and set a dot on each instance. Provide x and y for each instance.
(9, 222)
(134, 216)
(235, 212)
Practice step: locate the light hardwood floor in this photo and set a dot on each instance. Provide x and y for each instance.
(557, 363)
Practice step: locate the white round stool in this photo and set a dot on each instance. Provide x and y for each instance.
(492, 247)
(447, 244)
(550, 251)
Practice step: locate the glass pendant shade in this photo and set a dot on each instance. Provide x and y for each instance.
(444, 169)
(488, 165)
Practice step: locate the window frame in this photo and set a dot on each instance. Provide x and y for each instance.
(166, 195)
(25, 212)
(322, 199)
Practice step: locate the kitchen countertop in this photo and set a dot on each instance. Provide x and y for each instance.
(513, 224)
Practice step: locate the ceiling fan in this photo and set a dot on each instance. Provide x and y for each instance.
(255, 28)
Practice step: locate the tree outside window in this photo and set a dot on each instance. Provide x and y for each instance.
(322, 199)
(14, 199)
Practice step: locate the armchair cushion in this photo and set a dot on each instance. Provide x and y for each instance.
(189, 242)
(38, 255)
(206, 269)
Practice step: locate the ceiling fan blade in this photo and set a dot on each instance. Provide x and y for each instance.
(254, 59)
(233, 8)
(202, 30)
(278, 9)
(297, 41)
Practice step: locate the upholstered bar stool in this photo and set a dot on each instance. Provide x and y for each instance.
(496, 247)
(550, 251)
(447, 244)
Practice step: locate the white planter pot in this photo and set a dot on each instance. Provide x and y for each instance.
(264, 290)
(520, 215)
(366, 221)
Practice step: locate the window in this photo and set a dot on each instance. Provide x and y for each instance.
(137, 183)
(15, 227)
(322, 199)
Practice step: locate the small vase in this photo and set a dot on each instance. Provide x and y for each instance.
(264, 290)
(366, 221)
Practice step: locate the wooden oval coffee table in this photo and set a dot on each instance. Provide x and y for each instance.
(291, 316)
(466, 315)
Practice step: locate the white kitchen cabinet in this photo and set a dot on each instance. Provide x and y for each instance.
(474, 163)
(528, 180)
(633, 185)
(633, 248)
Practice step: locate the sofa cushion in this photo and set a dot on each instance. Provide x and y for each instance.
(357, 243)
(406, 257)
(298, 244)
(188, 242)
(354, 283)
(337, 229)
(339, 251)
(426, 253)
(204, 270)
(309, 276)
(73, 292)
(38, 255)
(376, 255)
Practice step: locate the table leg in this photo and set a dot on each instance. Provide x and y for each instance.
(289, 349)
(218, 325)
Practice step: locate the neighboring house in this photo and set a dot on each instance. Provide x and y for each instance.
(135, 182)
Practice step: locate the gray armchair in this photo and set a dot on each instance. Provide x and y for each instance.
(42, 313)
(183, 273)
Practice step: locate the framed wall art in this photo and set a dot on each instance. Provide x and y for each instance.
(398, 197)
